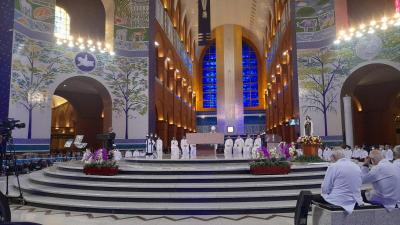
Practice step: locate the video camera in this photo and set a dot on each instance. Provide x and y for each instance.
(7, 125)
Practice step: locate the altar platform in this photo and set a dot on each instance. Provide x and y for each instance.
(171, 187)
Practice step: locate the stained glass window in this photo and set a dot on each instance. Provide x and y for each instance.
(210, 78)
(250, 76)
(62, 23)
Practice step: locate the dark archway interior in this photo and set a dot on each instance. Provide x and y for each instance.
(375, 89)
(91, 114)
(87, 17)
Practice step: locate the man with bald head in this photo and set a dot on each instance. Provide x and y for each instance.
(384, 178)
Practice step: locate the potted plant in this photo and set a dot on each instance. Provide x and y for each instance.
(310, 144)
(270, 162)
(100, 164)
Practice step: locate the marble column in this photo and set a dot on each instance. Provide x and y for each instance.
(348, 120)
(230, 111)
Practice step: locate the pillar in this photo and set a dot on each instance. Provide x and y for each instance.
(348, 120)
(230, 110)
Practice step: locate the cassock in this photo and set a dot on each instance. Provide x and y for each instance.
(342, 185)
(385, 180)
(256, 146)
(228, 148)
(193, 151)
(149, 146)
(117, 155)
(248, 145)
(174, 149)
(128, 154)
(238, 148)
(159, 148)
(185, 148)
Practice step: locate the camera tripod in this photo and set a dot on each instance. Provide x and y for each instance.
(10, 159)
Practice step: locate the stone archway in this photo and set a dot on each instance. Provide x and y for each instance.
(89, 107)
(370, 104)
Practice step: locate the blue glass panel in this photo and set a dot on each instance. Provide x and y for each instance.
(246, 103)
(254, 78)
(254, 102)
(254, 95)
(246, 95)
(254, 87)
(250, 76)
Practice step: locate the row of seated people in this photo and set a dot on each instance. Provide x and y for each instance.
(343, 180)
(27, 163)
(357, 152)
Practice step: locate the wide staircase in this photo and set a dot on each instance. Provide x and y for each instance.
(171, 187)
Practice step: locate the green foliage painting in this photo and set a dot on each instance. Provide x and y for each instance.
(35, 66)
(127, 79)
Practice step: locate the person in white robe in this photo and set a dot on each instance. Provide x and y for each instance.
(348, 153)
(87, 155)
(228, 148)
(175, 151)
(396, 156)
(389, 153)
(248, 146)
(342, 182)
(385, 180)
(383, 150)
(363, 152)
(117, 156)
(193, 151)
(356, 153)
(320, 153)
(128, 154)
(185, 148)
(327, 154)
(238, 148)
(159, 148)
(257, 145)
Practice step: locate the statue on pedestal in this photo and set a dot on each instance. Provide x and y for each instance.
(308, 127)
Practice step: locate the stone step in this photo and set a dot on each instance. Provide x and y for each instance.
(200, 197)
(39, 178)
(156, 208)
(216, 178)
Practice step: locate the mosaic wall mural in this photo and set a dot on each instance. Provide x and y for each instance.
(39, 66)
(131, 29)
(315, 20)
(322, 70)
(37, 15)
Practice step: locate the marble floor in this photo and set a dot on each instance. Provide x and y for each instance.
(55, 217)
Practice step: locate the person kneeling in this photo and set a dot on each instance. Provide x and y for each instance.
(384, 178)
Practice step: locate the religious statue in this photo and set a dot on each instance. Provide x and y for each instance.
(308, 127)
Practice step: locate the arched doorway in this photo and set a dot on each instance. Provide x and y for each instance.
(375, 93)
(81, 106)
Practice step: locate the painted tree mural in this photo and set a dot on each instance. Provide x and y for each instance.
(320, 75)
(35, 67)
(127, 78)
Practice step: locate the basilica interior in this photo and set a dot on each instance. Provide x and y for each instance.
(181, 85)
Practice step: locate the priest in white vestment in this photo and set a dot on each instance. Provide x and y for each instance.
(238, 148)
(159, 148)
(128, 154)
(175, 151)
(117, 156)
(185, 148)
(248, 146)
(228, 148)
(257, 145)
(193, 151)
(327, 154)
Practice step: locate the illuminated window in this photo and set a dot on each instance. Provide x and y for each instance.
(250, 76)
(62, 23)
(210, 78)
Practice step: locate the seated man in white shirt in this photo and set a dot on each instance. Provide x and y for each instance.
(342, 182)
(396, 155)
(385, 180)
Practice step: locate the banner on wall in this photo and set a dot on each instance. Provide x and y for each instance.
(204, 22)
